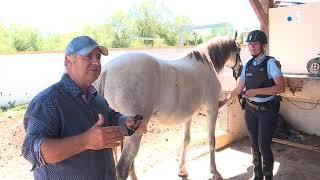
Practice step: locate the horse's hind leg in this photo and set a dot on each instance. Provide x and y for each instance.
(182, 169)
(213, 113)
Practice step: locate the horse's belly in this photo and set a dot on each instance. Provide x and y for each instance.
(174, 116)
(164, 120)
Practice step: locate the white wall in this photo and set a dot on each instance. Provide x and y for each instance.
(295, 42)
(294, 36)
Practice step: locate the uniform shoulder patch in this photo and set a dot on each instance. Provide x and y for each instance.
(278, 64)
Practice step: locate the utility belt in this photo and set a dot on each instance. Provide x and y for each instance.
(265, 106)
(273, 105)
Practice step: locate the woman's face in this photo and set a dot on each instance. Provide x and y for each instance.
(255, 48)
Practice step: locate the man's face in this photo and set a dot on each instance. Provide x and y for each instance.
(255, 48)
(86, 69)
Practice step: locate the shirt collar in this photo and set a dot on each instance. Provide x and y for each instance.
(73, 88)
(258, 61)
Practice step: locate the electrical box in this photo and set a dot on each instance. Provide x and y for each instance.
(294, 38)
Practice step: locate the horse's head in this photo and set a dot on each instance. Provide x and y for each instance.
(234, 62)
(220, 52)
(226, 52)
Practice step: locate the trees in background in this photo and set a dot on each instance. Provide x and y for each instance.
(120, 29)
(6, 42)
(145, 25)
(26, 39)
(55, 41)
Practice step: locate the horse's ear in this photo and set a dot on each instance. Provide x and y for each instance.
(235, 35)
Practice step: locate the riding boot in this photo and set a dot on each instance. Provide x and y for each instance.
(257, 168)
(268, 168)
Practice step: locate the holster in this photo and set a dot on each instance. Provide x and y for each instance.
(275, 104)
(242, 101)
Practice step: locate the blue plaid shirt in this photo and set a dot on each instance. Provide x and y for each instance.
(58, 112)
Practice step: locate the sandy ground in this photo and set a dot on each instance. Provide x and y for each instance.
(12, 164)
(160, 144)
(159, 155)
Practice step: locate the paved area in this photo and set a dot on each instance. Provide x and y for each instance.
(234, 163)
(290, 163)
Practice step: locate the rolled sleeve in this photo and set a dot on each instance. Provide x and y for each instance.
(31, 150)
(118, 119)
(37, 121)
(122, 124)
(115, 117)
(37, 150)
(122, 119)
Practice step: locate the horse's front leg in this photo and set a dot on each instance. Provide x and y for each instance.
(131, 146)
(182, 169)
(132, 172)
(213, 113)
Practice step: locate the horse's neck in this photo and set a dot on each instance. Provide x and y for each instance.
(185, 65)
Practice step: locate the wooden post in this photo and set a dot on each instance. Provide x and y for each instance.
(261, 8)
(266, 4)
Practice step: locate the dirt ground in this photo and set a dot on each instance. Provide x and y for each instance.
(12, 164)
(159, 143)
(159, 155)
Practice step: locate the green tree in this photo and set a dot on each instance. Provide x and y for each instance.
(227, 30)
(103, 34)
(192, 38)
(145, 21)
(146, 24)
(156, 21)
(170, 30)
(26, 38)
(121, 30)
(56, 41)
(6, 43)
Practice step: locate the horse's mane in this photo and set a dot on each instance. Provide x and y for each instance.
(214, 52)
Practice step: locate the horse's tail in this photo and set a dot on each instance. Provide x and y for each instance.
(99, 84)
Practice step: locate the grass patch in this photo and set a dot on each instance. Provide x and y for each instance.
(14, 111)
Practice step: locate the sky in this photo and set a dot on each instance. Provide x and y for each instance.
(70, 15)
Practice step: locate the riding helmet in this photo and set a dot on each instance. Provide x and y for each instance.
(257, 36)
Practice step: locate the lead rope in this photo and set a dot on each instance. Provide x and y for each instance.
(294, 104)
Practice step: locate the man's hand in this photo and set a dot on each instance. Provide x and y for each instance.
(139, 125)
(100, 137)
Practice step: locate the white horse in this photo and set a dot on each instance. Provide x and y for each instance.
(168, 92)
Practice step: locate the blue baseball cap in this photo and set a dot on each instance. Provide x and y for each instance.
(83, 45)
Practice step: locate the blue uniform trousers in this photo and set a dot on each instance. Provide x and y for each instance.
(261, 125)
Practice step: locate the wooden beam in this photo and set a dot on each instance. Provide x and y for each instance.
(261, 8)
(297, 145)
(261, 14)
(266, 4)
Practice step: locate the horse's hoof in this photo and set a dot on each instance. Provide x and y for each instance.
(183, 174)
